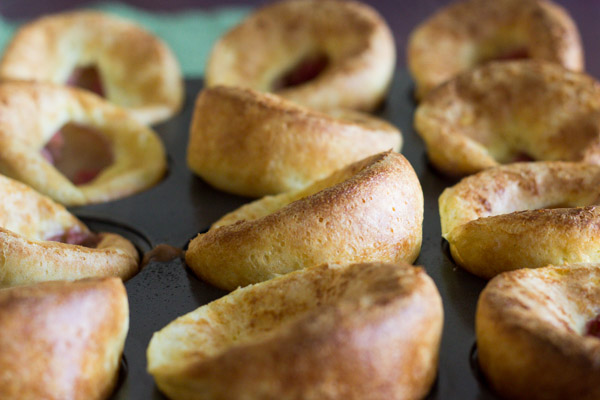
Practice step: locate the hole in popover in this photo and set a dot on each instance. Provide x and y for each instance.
(79, 152)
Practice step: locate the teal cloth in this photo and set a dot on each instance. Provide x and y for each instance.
(190, 34)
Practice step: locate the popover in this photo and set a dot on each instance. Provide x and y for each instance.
(320, 53)
(361, 331)
(523, 215)
(41, 241)
(111, 56)
(38, 121)
(469, 33)
(62, 340)
(371, 210)
(255, 144)
(537, 333)
(509, 111)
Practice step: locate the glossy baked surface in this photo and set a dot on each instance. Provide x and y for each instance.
(311, 325)
(350, 40)
(62, 340)
(523, 215)
(31, 113)
(151, 90)
(504, 112)
(369, 210)
(532, 319)
(255, 144)
(469, 33)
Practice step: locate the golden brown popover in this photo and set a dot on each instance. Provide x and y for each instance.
(371, 210)
(538, 333)
(41, 241)
(320, 53)
(523, 215)
(352, 332)
(469, 33)
(509, 111)
(109, 55)
(34, 116)
(62, 340)
(255, 144)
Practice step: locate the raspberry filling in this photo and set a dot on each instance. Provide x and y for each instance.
(592, 328)
(506, 54)
(306, 70)
(74, 235)
(87, 78)
(513, 54)
(522, 157)
(80, 153)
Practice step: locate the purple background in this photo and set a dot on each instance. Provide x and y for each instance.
(402, 15)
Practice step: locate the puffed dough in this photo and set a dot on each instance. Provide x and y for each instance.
(523, 215)
(254, 144)
(62, 340)
(137, 69)
(469, 33)
(355, 40)
(508, 111)
(29, 222)
(30, 114)
(361, 331)
(531, 333)
(371, 210)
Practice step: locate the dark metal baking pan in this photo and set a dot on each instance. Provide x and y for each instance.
(182, 205)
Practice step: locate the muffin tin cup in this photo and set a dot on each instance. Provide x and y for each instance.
(181, 205)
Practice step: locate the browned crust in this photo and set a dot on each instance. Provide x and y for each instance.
(501, 111)
(255, 144)
(327, 332)
(356, 40)
(138, 70)
(30, 113)
(32, 215)
(28, 219)
(371, 210)
(26, 261)
(62, 340)
(507, 218)
(530, 326)
(467, 33)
